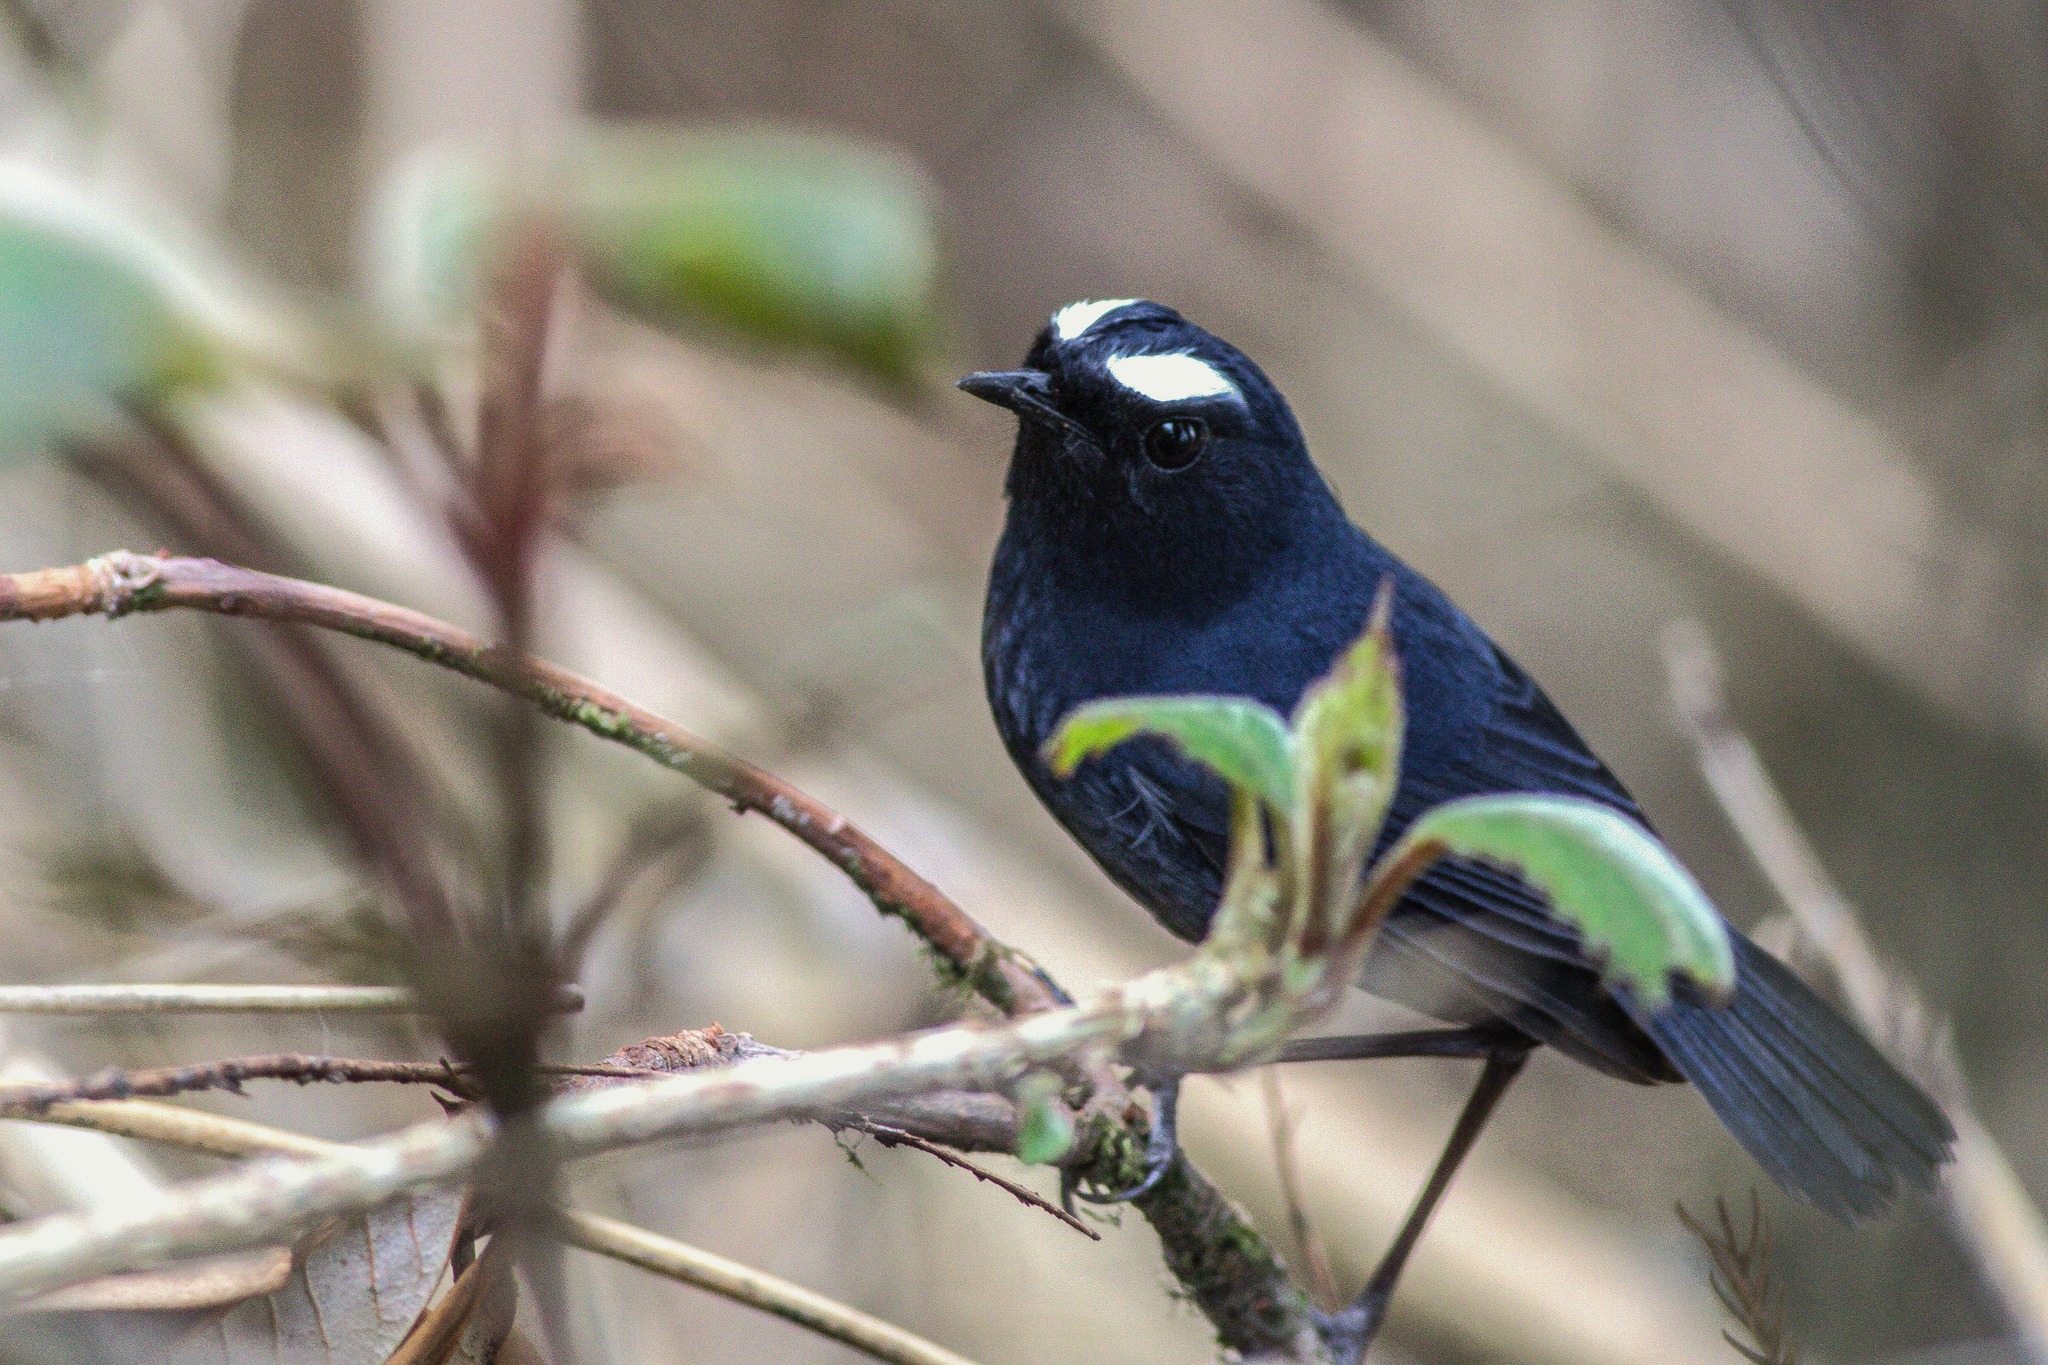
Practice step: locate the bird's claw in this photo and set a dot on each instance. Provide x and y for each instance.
(1349, 1331)
(1161, 1147)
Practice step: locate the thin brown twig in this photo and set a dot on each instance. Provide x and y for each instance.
(897, 1137)
(231, 1073)
(1280, 1127)
(1744, 1282)
(517, 959)
(120, 583)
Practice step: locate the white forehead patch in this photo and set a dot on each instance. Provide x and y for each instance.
(1077, 318)
(1173, 377)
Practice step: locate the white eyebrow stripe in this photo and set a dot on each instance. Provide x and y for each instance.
(1174, 377)
(1077, 318)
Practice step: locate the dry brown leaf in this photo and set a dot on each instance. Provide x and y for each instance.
(353, 1297)
(488, 1337)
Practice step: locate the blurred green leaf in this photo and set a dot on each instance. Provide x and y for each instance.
(1044, 1129)
(94, 310)
(787, 238)
(1242, 740)
(1640, 912)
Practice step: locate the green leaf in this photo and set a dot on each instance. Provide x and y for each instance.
(1044, 1128)
(787, 238)
(1641, 914)
(95, 311)
(1348, 730)
(1243, 741)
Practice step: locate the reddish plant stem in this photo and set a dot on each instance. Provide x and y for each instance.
(120, 583)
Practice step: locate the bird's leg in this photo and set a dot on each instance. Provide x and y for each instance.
(1161, 1144)
(1478, 1040)
(1351, 1329)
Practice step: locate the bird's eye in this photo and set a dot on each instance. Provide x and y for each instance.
(1177, 442)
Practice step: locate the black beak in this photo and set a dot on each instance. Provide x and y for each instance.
(1028, 393)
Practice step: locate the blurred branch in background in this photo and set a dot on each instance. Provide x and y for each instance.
(183, 997)
(1990, 1210)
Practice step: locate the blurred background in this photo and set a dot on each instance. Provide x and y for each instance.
(1603, 315)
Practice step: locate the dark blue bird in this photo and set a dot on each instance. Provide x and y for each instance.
(1169, 533)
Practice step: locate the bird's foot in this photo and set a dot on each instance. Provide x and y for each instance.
(1349, 1331)
(1161, 1147)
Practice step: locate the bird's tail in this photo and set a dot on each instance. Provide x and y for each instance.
(1817, 1106)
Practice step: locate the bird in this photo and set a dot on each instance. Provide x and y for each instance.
(1168, 532)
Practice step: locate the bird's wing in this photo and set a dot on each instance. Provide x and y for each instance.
(1157, 823)
(1472, 941)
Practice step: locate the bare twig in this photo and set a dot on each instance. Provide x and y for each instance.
(120, 583)
(1989, 1208)
(510, 493)
(231, 1073)
(964, 1120)
(984, 1123)
(1743, 1282)
(897, 1137)
(1280, 1127)
(192, 1129)
(755, 1288)
(228, 1074)
(179, 998)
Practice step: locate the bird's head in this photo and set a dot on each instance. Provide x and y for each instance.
(1139, 429)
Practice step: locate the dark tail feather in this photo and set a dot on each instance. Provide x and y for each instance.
(1817, 1106)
